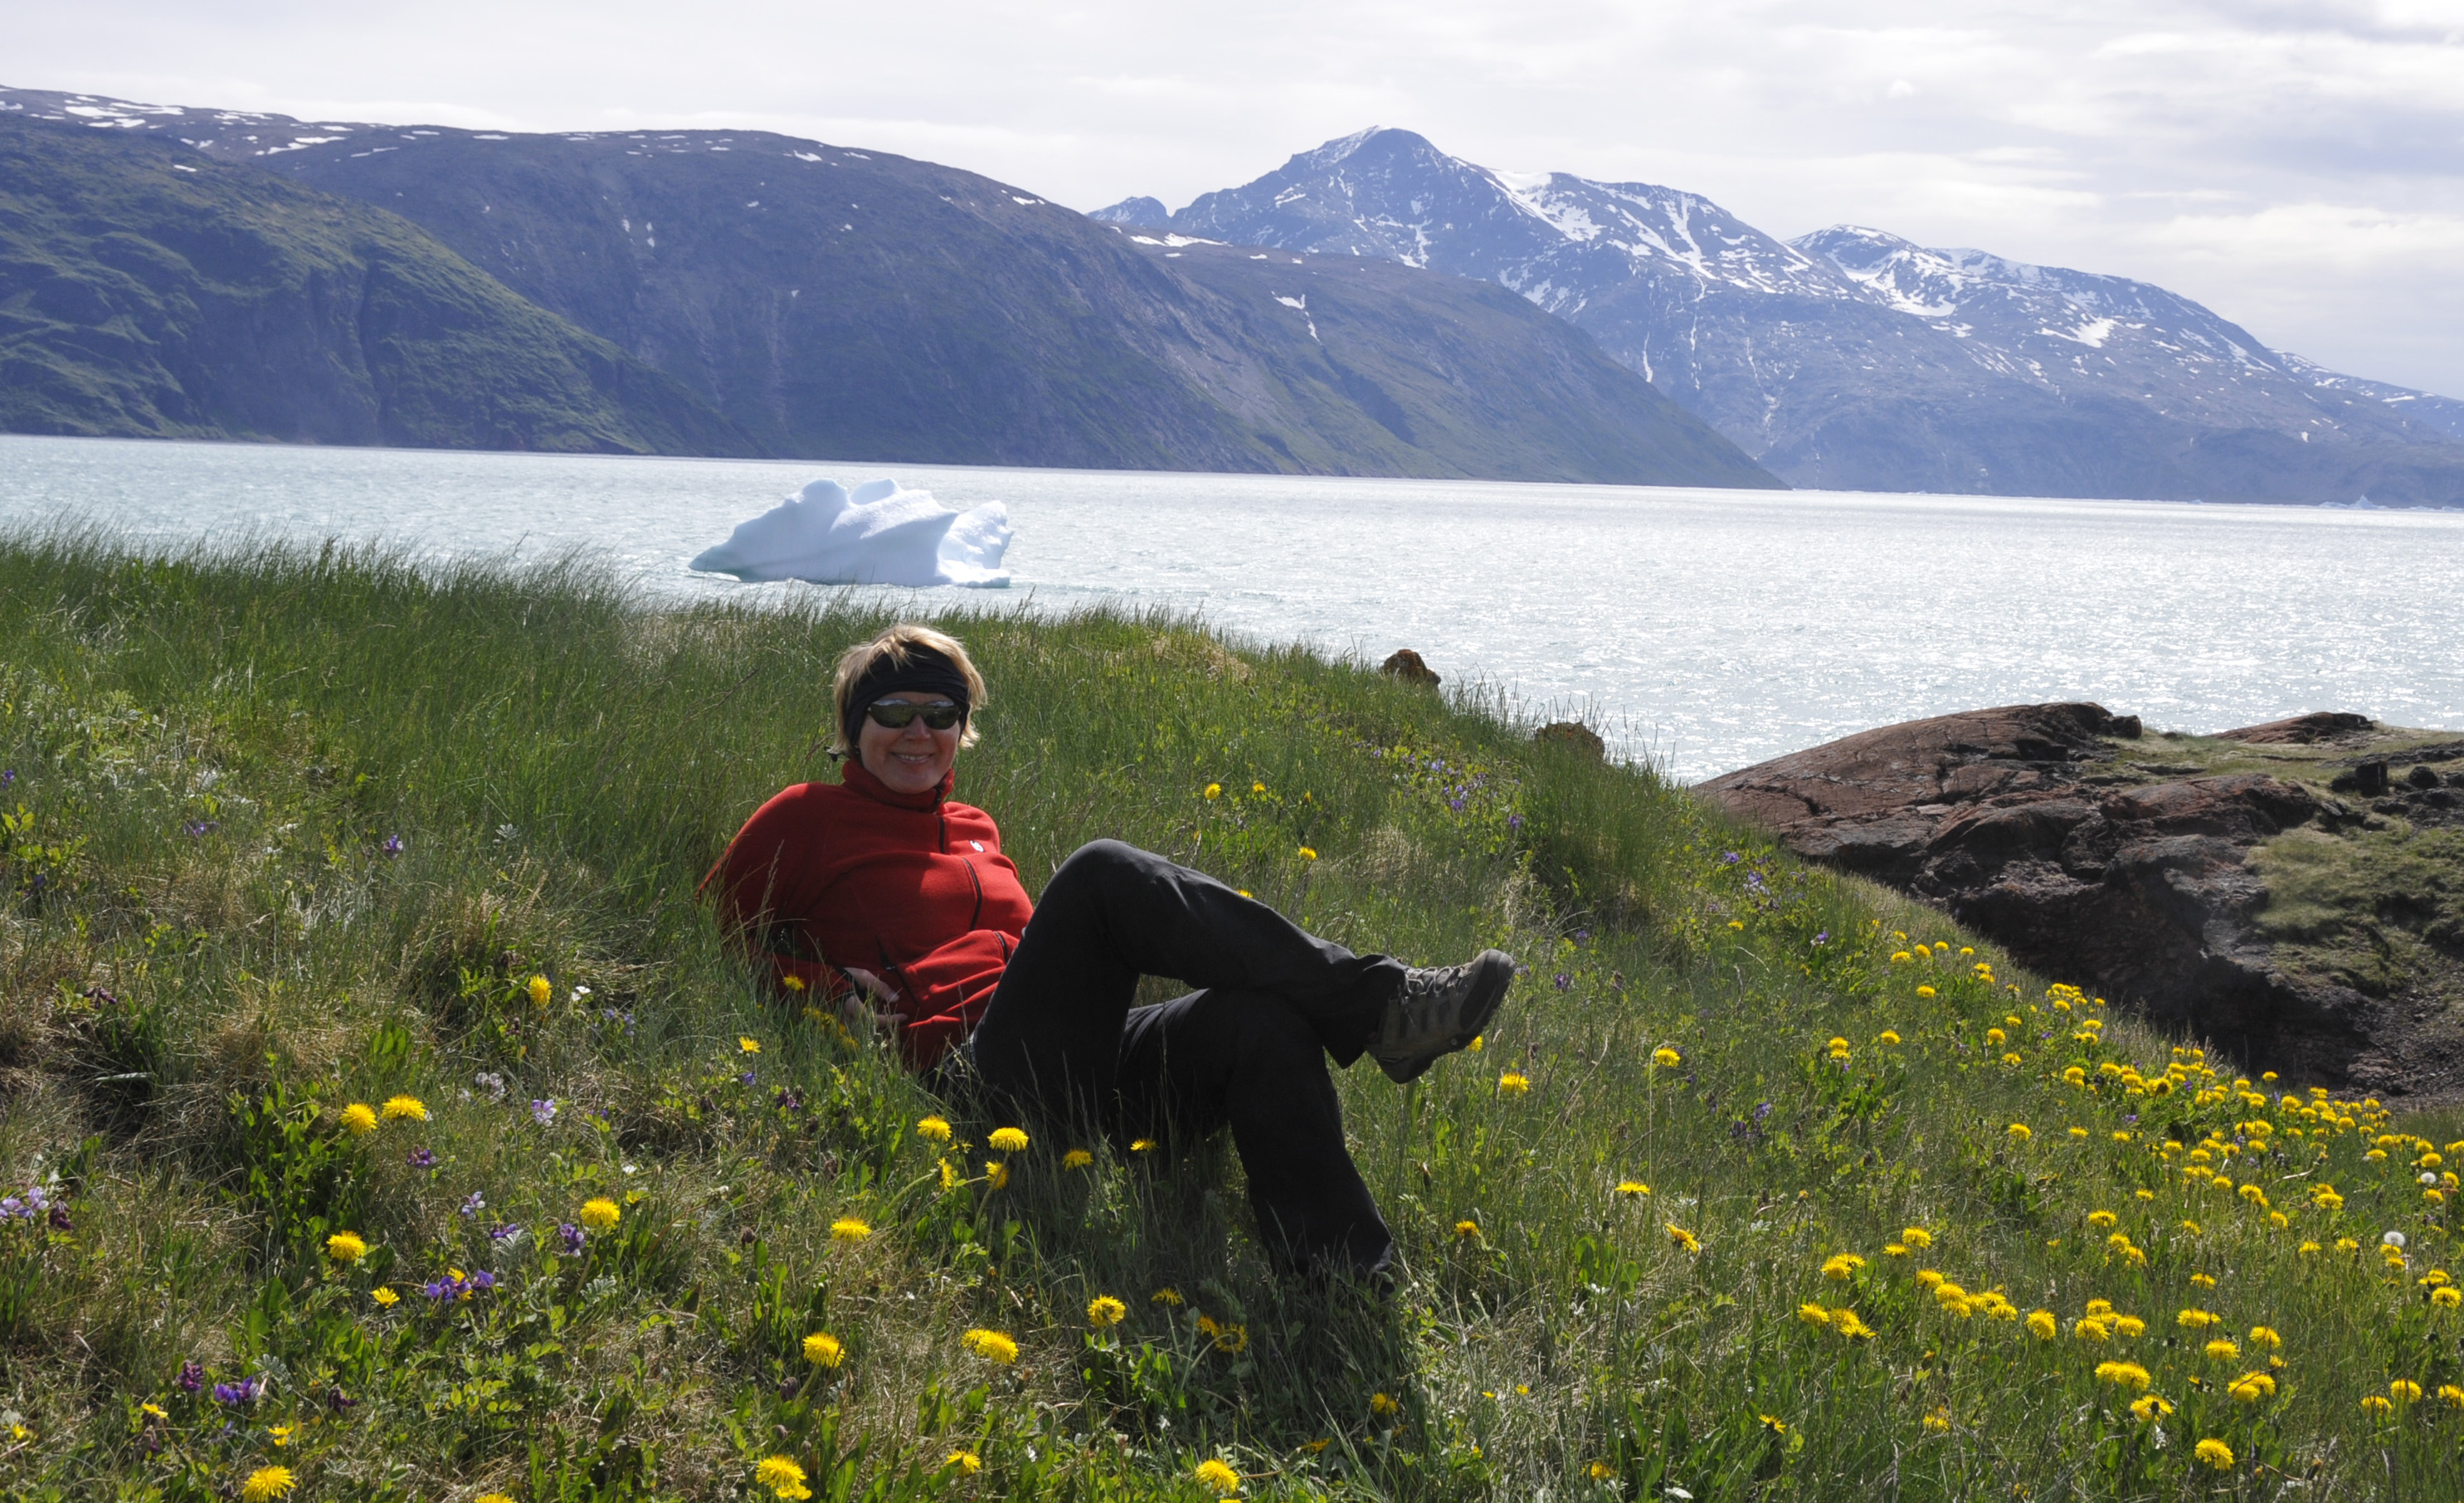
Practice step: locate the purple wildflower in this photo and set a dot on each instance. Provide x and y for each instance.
(543, 1112)
(1823, 938)
(473, 1205)
(60, 1219)
(339, 1400)
(1762, 1110)
(746, 1078)
(1514, 822)
(572, 1237)
(1582, 936)
(422, 1159)
(198, 829)
(1730, 859)
(483, 1279)
(504, 1233)
(392, 845)
(1456, 803)
(191, 1378)
(441, 1289)
(7, 775)
(1562, 980)
(788, 1101)
(244, 1391)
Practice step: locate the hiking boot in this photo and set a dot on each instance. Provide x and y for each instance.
(1439, 1011)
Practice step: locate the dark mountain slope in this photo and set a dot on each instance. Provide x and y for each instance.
(1395, 342)
(147, 289)
(855, 305)
(1852, 358)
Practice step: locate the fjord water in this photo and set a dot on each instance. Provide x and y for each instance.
(1708, 629)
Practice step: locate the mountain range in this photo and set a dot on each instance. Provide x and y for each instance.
(1852, 358)
(177, 272)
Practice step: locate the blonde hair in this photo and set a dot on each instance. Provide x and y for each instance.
(898, 644)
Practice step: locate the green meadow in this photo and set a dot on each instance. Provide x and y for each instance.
(382, 1118)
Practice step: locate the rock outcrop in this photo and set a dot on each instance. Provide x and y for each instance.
(2132, 865)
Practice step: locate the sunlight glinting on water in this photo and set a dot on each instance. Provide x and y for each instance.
(1708, 629)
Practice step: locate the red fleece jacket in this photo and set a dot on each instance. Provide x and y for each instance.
(910, 886)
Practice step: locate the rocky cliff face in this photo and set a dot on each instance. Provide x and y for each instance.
(2222, 885)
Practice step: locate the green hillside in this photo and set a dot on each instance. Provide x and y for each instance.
(349, 953)
(149, 290)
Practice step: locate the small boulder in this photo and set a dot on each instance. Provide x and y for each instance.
(1406, 664)
(2370, 779)
(2324, 725)
(1572, 734)
(2421, 775)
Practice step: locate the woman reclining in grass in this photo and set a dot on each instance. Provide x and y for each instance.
(882, 893)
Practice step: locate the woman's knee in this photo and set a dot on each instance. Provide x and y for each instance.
(1094, 864)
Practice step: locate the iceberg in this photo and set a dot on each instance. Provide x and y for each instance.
(877, 534)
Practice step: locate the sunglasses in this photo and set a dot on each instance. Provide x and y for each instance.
(898, 715)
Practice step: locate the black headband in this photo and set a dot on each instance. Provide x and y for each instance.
(924, 669)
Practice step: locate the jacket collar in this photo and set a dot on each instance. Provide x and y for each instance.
(854, 776)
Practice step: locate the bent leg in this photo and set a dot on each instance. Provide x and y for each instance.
(1252, 1061)
(1051, 1035)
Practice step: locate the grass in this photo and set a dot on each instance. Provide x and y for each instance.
(290, 833)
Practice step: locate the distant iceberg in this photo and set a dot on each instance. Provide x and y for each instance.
(876, 533)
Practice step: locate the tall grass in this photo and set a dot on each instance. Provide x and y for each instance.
(291, 831)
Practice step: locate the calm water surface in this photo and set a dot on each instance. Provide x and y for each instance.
(1707, 628)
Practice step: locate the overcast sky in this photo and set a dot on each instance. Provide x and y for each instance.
(2296, 164)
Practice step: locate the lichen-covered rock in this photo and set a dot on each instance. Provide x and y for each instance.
(2139, 867)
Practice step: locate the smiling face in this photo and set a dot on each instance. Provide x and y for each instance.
(913, 760)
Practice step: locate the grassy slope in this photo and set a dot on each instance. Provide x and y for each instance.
(219, 955)
(149, 290)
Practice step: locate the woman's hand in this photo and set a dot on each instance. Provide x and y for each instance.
(861, 1015)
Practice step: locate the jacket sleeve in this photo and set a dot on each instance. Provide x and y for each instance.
(756, 876)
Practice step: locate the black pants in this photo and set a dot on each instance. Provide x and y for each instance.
(1062, 1043)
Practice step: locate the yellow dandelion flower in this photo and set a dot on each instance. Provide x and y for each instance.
(794, 983)
(2100, 1219)
(1217, 1475)
(2091, 1328)
(2375, 1405)
(824, 1350)
(2148, 1406)
(598, 1213)
(933, 1129)
(2122, 1375)
(1666, 1059)
(1840, 1267)
(997, 1174)
(1164, 1296)
(990, 1346)
(1383, 1403)
(539, 991)
(783, 1477)
(2018, 1132)
(1886, 1036)
(2265, 1337)
(2447, 1296)
(1812, 1314)
(1513, 1082)
(2403, 1390)
(281, 1434)
(848, 1228)
(1600, 1471)
(1106, 1311)
(398, 1108)
(156, 1410)
(950, 1178)
(1214, 791)
(1007, 1140)
(2043, 1325)
(1307, 855)
(1938, 1421)
(1684, 1239)
(1076, 1159)
(385, 1297)
(1143, 1146)
(266, 1483)
(2451, 1396)
(2131, 1325)
(965, 1463)
(346, 1247)
(2223, 1349)
(1633, 1188)
(1466, 1230)
(1924, 992)
(1916, 1237)
(748, 1044)
(360, 1117)
(1850, 1327)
